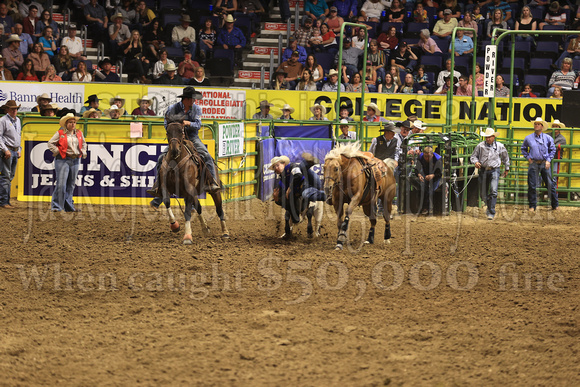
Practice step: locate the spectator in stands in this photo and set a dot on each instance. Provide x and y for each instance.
(136, 62)
(130, 18)
(422, 80)
(346, 134)
(92, 113)
(254, 9)
(144, 108)
(105, 74)
(396, 13)
(479, 79)
(316, 9)
(232, 38)
(410, 86)
(446, 72)
(154, 40)
(468, 22)
(287, 111)
(264, 113)
(315, 40)
(464, 89)
(207, 39)
(373, 113)
(346, 9)
(97, 21)
(343, 114)
(45, 22)
(293, 68)
(572, 51)
(396, 74)
(334, 21)
(74, 43)
(5, 74)
(370, 79)
(29, 22)
(183, 35)
(527, 92)
(557, 94)
(501, 90)
(199, 78)
(6, 20)
(359, 38)
(564, 77)
(114, 112)
(51, 75)
(388, 41)
(556, 16)
(13, 55)
(82, 74)
(170, 76)
(159, 66)
(186, 68)
(304, 33)
(318, 113)
(332, 83)
(294, 46)
(26, 40)
(378, 60)
(25, 5)
(443, 89)
(388, 86)
(40, 60)
(350, 57)
(355, 84)
(328, 40)
(427, 44)
(404, 58)
(495, 22)
(27, 73)
(119, 36)
(49, 111)
(118, 101)
(229, 6)
(420, 14)
(505, 9)
(48, 42)
(279, 81)
(63, 64)
(144, 14)
(316, 70)
(371, 11)
(444, 27)
(93, 103)
(306, 82)
(526, 23)
(450, 5)
(463, 45)
(42, 101)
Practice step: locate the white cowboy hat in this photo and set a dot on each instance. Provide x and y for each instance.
(332, 72)
(558, 124)
(87, 113)
(322, 108)
(374, 106)
(419, 125)
(344, 121)
(116, 98)
(116, 16)
(544, 123)
(13, 38)
(114, 107)
(288, 107)
(278, 159)
(170, 67)
(66, 118)
(488, 133)
(230, 19)
(144, 98)
(43, 96)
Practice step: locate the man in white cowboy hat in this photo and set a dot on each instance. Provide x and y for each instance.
(232, 38)
(287, 111)
(119, 101)
(539, 149)
(114, 112)
(373, 113)
(13, 55)
(264, 113)
(297, 188)
(10, 131)
(332, 84)
(346, 134)
(559, 142)
(42, 101)
(183, 35)
(488, 156)
(92, 113)
(119, 34)
(170, 76)
(191, 125)
(144, 108)
(318, 113)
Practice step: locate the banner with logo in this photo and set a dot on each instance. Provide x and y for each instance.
(266, 176)
(25, 94)
(231, 139)
(489, 71)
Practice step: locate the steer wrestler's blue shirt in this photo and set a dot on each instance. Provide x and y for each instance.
(193, 115)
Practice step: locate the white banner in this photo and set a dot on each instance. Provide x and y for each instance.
(231, 139)
(216, 103)
(489, 71)
(25, 93)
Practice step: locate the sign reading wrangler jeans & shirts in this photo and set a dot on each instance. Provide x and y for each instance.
(231, 139)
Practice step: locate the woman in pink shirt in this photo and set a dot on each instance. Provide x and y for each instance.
(427, 44)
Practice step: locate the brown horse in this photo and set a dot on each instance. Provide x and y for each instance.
(358, 179)
(179, 174)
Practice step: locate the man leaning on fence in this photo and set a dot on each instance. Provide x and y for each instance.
(539, 149)
(488, 156)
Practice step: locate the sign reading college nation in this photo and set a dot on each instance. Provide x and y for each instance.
(231, 139)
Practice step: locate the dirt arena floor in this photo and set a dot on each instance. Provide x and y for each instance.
(109, 296)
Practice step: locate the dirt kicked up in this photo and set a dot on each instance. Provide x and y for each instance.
(109, 296)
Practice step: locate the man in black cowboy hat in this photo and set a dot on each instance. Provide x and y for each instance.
(191, 125)
(105, 74)
(10, 130)
(93, 102)
(386, 146)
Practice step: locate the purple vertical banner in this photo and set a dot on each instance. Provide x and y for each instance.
(267, 176)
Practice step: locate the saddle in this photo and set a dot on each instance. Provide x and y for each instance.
(375, 170)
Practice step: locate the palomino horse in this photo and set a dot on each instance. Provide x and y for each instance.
(358, 179)
(179, 175)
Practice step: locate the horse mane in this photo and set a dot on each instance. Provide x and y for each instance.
(346, 149)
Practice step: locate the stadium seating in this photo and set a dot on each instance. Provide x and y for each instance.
(539, 83)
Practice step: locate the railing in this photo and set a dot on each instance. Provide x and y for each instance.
(280, 49)
(84, 38)
(263, 75)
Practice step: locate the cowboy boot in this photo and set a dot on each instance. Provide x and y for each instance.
(310, 159)
(154, 191)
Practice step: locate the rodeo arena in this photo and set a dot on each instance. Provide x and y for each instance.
(290, 193)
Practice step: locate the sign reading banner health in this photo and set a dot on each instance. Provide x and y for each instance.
(231, 139)
(216, 103)
(489, 72)
(25, 93)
